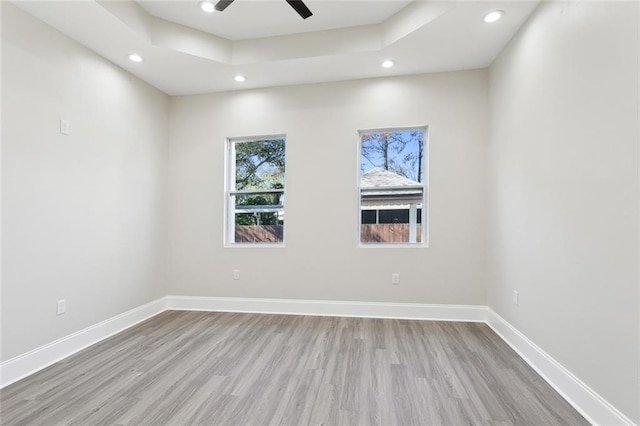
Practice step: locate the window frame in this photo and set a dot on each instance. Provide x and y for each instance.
(424, 242)
(230, 191)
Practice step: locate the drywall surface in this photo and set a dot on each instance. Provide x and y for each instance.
(322, 259)
(563, 187)
(83, 213)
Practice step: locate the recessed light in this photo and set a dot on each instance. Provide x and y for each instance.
(493, 16)
(240, 78)
(388, 63)
(207, 6)
(135, 57)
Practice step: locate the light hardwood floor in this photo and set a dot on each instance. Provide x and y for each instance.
(181, 368)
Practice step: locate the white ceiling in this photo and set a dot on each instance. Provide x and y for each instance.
(246, 19)
(187, 51)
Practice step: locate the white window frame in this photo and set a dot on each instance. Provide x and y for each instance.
(230, 192)
(425, 192)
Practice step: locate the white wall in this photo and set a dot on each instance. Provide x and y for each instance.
(321, 260)
(82, 214)
(564, 191)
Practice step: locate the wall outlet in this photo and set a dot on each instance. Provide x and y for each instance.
(395, 278)
(516, 297)
(64, 127)
(236, 274)
(61, 306)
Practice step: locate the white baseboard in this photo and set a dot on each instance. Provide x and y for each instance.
(584, 399)
(591, 405)
(414, 311)
(28, 363)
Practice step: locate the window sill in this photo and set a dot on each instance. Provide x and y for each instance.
(393, 246)
(254, 245)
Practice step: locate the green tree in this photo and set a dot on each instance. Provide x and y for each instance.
(260, 164)
(258, 218)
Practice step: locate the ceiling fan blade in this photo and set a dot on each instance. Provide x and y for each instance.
(299, 7)
(222, 5)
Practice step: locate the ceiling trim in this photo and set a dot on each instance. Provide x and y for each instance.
(367, 38)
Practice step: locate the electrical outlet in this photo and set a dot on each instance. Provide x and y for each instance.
(236, 274)
(516, 297)
(395, 278)
(64, 127)
(61, 306)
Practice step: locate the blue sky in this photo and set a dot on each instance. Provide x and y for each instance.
(403, 153)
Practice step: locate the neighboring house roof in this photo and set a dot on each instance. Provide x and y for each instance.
(378, 177)
(382, 187)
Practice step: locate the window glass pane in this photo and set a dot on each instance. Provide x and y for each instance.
(399, 152)
(392, 192)
(369, 216)
(259, 218)
(394, 216)
(256, 180)
(260, 164)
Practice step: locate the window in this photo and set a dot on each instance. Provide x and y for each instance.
(255, 190)
(393, 186)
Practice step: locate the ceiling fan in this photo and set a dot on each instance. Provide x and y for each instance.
(297, 5)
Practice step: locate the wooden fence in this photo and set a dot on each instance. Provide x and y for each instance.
(387, 233)
(259, 233)
(370, 233)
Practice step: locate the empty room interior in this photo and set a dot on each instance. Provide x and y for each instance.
(324, 212)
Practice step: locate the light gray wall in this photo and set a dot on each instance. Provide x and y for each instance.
(321, 259)
(82, 215)
(563, 191)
